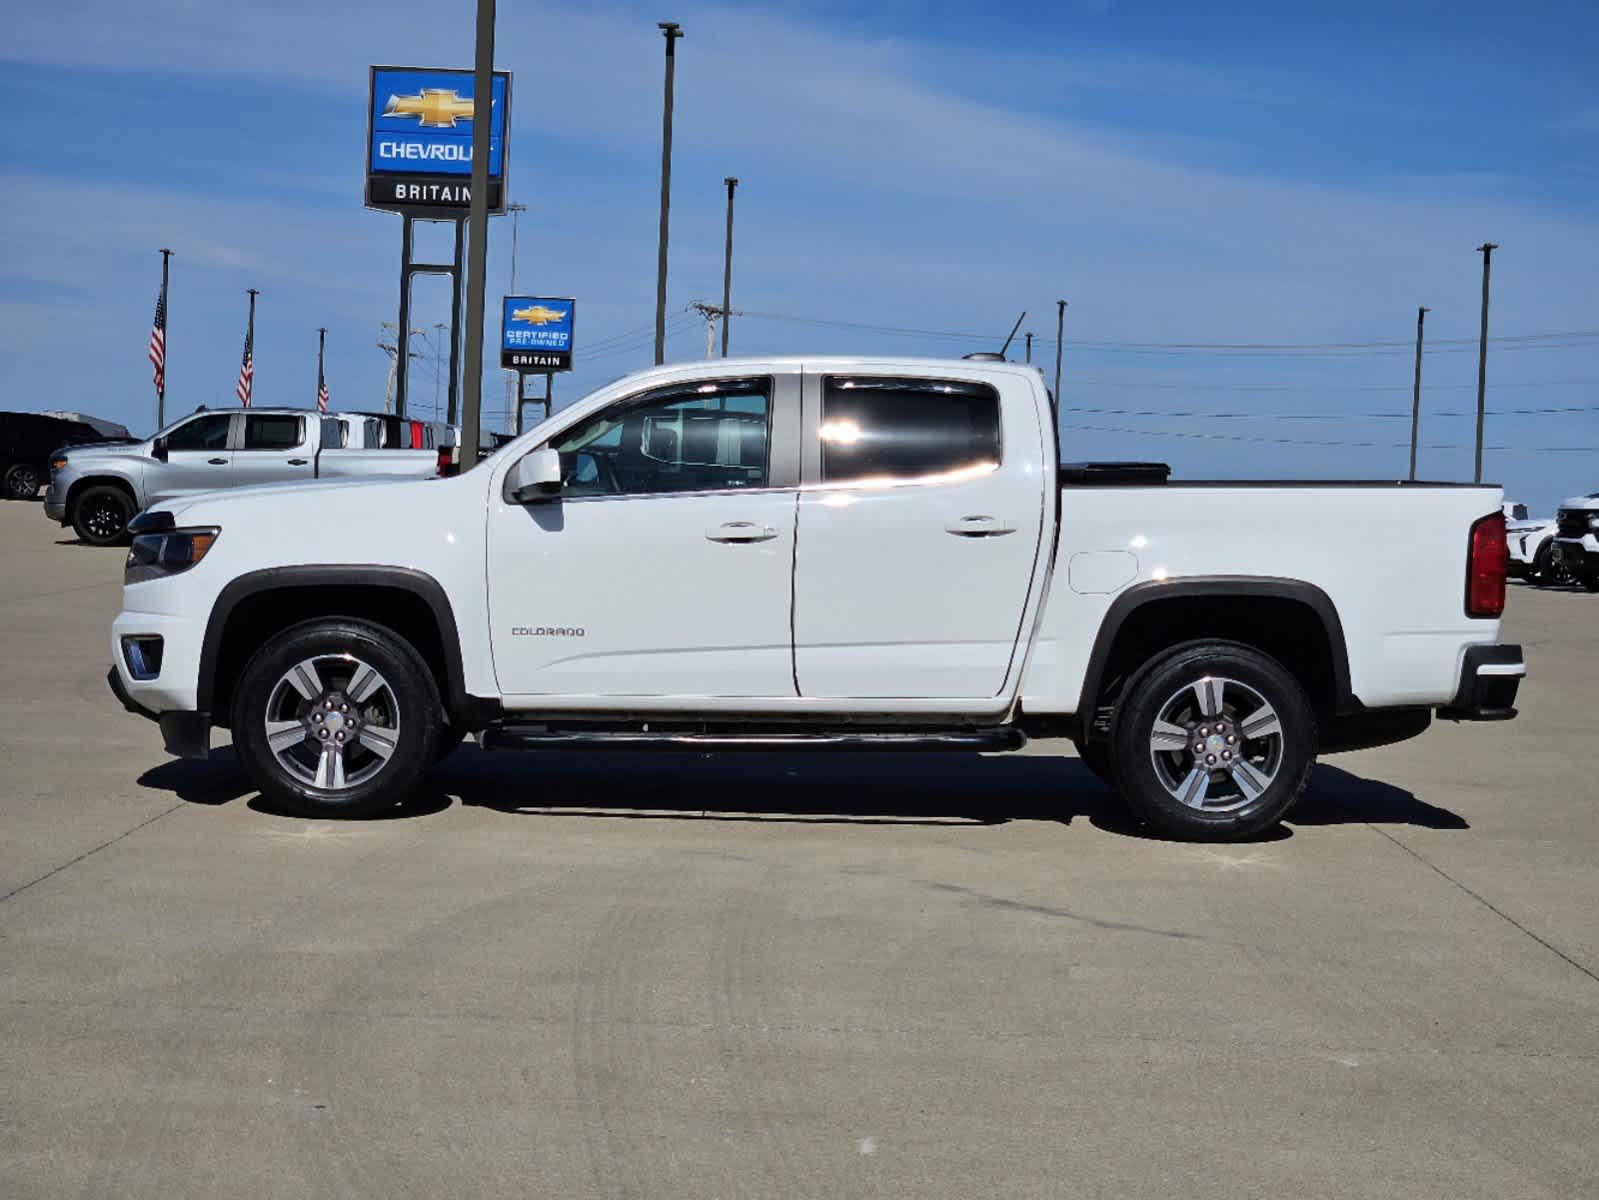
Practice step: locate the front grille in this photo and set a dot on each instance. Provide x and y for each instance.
(1572, 522)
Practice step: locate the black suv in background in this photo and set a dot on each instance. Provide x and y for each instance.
(26, 442)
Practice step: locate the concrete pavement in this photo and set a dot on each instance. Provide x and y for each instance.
(668, 976)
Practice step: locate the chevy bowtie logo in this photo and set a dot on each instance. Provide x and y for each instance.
(434, 108)
(537, 314)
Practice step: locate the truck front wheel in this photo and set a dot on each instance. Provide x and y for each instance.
(101, 513)
(336, 718)
(1213, 741)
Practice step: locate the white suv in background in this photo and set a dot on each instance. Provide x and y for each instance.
(1575, 545)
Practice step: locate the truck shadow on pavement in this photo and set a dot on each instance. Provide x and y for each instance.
(816, 788)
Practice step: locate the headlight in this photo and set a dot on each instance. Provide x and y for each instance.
(1593, 522)
(170, 552)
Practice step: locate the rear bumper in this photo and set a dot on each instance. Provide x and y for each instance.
(1489, 679)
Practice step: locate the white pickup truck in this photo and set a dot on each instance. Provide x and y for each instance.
(97, 489)
(834, 553)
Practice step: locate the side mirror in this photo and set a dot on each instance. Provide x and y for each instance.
(158, 449)
(535, 477)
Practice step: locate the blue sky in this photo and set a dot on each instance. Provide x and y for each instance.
(1183, 174)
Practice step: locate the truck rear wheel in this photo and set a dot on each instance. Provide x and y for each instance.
(336, 718)
(1213, 741)
(22, 482)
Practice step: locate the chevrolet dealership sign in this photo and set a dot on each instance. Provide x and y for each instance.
(536, 333)
(419, 139)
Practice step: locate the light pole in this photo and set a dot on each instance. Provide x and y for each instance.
(671, 31)
(727, 265)
(516, 211)
(1486, 249)
(1415, 395)
(478, 233)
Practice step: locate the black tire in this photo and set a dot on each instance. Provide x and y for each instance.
(1545, 571)
(408, 688)
(1096, 756)
(100, 515)
(21, 482)
(1284, 758)
(1590, 582)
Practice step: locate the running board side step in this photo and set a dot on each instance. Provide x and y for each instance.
(539, 737)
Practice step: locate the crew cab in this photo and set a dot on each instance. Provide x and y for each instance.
(1575, 547)
(97, 489)
(843, 553)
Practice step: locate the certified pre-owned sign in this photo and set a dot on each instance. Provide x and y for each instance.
(419, 139)
(536, 333)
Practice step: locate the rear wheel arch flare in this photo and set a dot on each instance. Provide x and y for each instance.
(1263, 612)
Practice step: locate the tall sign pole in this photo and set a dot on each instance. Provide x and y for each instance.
(671, 31)
(1486, 249)
(477, 255)
(727, 265)
(1415, 394)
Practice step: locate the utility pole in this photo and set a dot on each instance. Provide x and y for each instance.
(671, 31)
(710, 312)
(166, 321)
(438, 348)
(1415, 395)
(727, 265)
(478, 232)
(1029, 336)
(1486, 249)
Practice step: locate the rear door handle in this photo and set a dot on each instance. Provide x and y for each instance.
(298, 462)
(979, 526)
(740, 531)
(217, 462)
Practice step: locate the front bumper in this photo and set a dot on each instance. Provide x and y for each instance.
(1489, 679)
(185, 734)
(55, 504)
(169, 697)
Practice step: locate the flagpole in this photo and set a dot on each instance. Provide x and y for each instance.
(166, 324)
(321, 345)
(249, 340)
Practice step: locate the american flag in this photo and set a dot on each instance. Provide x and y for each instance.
(158, 344)
(322, 396)
(246, 373)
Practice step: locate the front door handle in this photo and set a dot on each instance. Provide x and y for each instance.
(979, 526)
(298, 462)
(740, 531)
(217, 462)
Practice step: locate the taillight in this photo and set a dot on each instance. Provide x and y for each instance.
(1487, 560)
(446, 461)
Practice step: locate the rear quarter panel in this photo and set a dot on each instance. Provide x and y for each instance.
(1401, 599)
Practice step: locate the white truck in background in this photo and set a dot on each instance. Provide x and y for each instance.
(1575, 546)
(843, 553)
(97, 489)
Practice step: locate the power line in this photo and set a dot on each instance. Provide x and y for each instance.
(1236, 437)
(1187, 414)
(1558, 340)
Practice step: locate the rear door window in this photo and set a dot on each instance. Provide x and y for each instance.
(273, 431)
(877, 428)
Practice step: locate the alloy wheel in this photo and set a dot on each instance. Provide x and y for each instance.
(332, 721)
(1216, 745)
